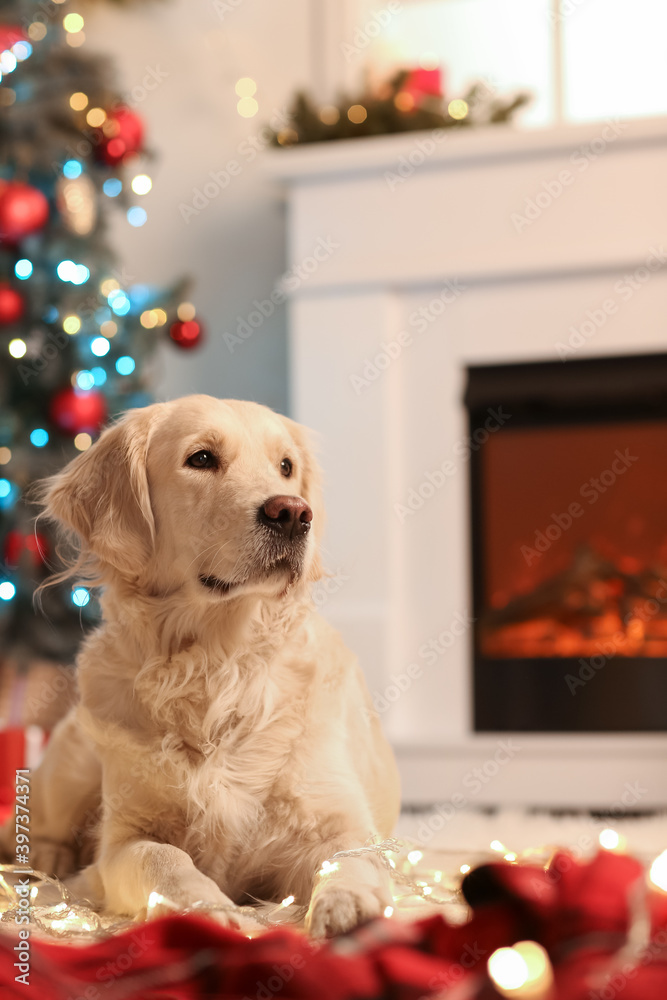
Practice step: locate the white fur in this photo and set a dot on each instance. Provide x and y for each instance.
(233, 732)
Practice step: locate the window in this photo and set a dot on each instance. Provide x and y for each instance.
(583, 60)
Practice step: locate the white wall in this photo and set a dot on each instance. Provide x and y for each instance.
(235, 247)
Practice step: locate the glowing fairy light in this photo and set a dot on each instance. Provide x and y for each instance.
(112, 187)
(329, 115)
(8, 61)
(22, 50)
(464, 869)
(328, 867)
(96, 117)
(508, 969)
(458, 109)
(36, 31)
(609, 839)
(186, 312)
(109, 329)
(496, 845)
(357, 114)
(17, 347)
(78, 101)
(72, 169)
(148, 319)
(247, 107)
(23, 268)
(82, 442)
(71, 325)
(137, 216)
(72, 23)
(119, 302)
(524, 970)
(414, 857)
(388, 911)
(125, 365)
(85, 380)
(100, 346)
(245, 87)
(80, 597)
(141, 184)
(39, 437)
(287, 901)
(658, 871)
(7, 590)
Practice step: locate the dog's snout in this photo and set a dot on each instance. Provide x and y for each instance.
(290, 516)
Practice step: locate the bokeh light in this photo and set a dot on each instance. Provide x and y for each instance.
(39, 437)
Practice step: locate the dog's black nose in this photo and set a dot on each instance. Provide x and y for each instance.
(290, 516)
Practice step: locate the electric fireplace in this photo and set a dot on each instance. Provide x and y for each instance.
(569, 545)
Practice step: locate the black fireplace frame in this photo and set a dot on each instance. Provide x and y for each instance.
(627, 694)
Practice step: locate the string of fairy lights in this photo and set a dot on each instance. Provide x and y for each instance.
(522, 970)
(424, 882)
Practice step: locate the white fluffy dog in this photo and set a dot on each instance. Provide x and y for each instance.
(225, 743)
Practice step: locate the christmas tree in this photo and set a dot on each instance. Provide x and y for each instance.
(75, 340)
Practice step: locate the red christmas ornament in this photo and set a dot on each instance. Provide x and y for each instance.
(75, 411)
(122, 135)
(10, 34)
(420, 87)
(188, 334)
(11, 304)
(16, 543)
(23, 210)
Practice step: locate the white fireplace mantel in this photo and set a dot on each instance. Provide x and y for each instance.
(508, 241)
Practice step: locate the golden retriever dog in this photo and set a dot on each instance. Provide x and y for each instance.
(225, 743)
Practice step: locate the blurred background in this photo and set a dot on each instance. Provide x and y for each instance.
(431, 230)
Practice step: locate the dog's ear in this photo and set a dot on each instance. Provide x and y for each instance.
(103, 496)
(311, 490)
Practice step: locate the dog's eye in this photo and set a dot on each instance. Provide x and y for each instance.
(202, 460)
(286, 468)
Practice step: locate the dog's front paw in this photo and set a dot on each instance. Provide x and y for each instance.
(52, 858)
(335, 910)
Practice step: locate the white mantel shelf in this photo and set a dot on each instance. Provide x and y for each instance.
(524, 290)
(485, 142)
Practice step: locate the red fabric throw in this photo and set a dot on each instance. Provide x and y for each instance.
(581, 912)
